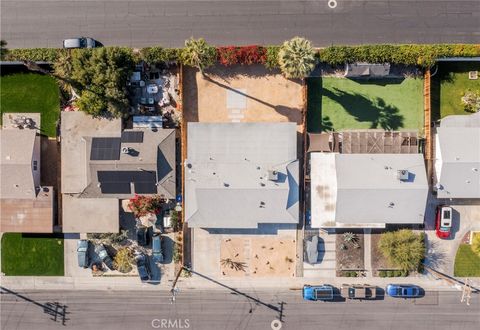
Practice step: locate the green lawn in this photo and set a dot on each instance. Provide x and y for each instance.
(449, 85)
(40, 256)
(340, 103)
(32, 93)
(467, 263)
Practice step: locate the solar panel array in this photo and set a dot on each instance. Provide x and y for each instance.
(119, 182)
(105, 149)
(132, 137)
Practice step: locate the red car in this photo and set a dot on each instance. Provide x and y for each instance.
(443, 221)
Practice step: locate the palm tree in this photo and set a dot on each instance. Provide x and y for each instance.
(297, 58)
(198, 54)
(237, 265)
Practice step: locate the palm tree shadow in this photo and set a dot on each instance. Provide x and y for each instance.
(363, 109)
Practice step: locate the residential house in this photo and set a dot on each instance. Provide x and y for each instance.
(457, 157)
(103, 164)
(26, 206)
(367, 190)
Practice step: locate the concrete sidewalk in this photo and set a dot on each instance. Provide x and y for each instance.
(198, 282)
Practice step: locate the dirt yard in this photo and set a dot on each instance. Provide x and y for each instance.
(258, 257)
(352, 257)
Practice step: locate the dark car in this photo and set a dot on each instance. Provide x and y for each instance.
(103, 254)
(443, 221)
(142, 236)
(143, 267)
(82, 42)
(82, 253)
(157, 251)
(403, 290)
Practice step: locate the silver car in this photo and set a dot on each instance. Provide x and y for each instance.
(81, 42)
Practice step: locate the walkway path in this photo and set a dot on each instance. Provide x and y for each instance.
(367, 251)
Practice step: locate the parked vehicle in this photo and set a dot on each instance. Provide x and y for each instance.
(443, 221)
(157, 251)
(318, 292)
(403, 290)
(358, 291)
(143, 267)
(82, 252)
(142, 236)
(82, 42)
(103, 254)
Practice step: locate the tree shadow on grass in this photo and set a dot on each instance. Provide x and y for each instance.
(363, 109)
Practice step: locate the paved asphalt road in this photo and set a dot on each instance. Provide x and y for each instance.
(45, 23)
(224, 310)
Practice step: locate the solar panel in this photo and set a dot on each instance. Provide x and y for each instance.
(115, 188)
(105, 149)
(145, 187)
(132, 137)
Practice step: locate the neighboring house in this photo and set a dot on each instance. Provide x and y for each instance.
(102, 164)
(457, 157)
(25, 205)
(367, 190)
(240, 175)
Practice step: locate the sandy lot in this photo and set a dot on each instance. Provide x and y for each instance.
(258, 256)
(261, 95)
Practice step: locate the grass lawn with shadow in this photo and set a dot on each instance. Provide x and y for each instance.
(449, 84)
(32, 255)
(32, 92)
(341, 103)
(467, 263)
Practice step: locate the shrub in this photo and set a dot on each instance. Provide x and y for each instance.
(422, 55)
(175, 220)
(271, 57)
(244, 55)
(471, 101)
(389, 273)
(3, 49)
(350, 237)
(198, 54)
(350, 273)
(296, 58)
(34, 54)
(158, 54)
(123, 260)
(177, 252)
(403, 248)
(382, 273)
(142, 205)
(476, 244)
(110, 238)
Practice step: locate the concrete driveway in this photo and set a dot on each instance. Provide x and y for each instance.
(441, 252)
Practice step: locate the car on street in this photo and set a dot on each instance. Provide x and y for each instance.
(81, 42)
(143, 267)
(103, 254)
(443, 221)
(403, 291)
(157, 251)
(358, 291)
(317, 292)
(82, 253)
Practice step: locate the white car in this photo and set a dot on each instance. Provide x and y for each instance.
(81, 42)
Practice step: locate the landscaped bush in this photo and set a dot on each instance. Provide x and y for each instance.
(422, 55)
(158, 54)
(142, 205)
(403, 248)
(34, 54)
(350, 273)
(392, 273)
(244, 55)
(476, 244)
(198, 53)
(271, 61)
(296, 58)
(123, 260)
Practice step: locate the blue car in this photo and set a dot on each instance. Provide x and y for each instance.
(403, 291)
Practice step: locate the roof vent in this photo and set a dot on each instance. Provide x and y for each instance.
(402, 175)
(125, 150)
(272, 175)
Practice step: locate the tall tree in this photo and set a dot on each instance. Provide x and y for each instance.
(198, 54)
(296, 58)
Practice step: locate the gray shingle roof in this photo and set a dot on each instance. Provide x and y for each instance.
(226, 174)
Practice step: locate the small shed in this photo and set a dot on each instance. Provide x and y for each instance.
(367, 70)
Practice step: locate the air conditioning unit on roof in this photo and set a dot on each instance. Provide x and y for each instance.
(402, 175)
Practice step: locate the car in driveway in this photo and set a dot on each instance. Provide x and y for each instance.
(443, 221)
(157, 251)
(82, 253)
(81, 42)
(143, 267)
(403, 290)
(103, 254)
(142, 236)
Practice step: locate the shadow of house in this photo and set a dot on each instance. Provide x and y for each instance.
(363, 109)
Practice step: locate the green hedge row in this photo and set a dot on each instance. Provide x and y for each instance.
(421, 55)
